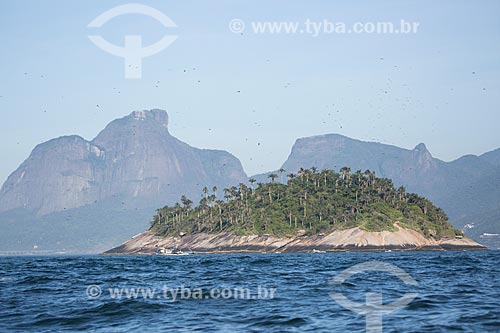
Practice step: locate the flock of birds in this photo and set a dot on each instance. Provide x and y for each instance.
(333, 115)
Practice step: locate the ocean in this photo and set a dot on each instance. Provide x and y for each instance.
(303, 292)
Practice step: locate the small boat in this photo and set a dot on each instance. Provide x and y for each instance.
(171, 252)
(318, 251)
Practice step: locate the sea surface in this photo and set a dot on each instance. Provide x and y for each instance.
(456, 292)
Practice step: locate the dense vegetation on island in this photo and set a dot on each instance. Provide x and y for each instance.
(311, 200)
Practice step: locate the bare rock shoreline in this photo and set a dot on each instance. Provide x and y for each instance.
(354, 239)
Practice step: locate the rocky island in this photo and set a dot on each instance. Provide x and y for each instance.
(314, 211)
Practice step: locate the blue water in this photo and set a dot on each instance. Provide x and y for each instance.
(457, 292)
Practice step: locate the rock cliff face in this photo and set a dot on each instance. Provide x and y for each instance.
(353, 239)
(58, 174)
(83, 196)
(134, 159)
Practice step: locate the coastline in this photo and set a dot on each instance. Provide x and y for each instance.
(349, 240)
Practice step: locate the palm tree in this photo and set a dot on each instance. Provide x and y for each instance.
(273, 176)
(186, 203)
(301, 173)
(401, 193)
(313, 170)
(281, 171)
(227, 194)
(177, 211)
(346, 171)
(219, 204)
(251, 181)
(325, 173)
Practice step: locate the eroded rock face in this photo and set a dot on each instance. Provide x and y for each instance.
(134, 157)
(61, 173)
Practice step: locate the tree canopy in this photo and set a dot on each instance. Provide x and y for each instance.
(313, 201)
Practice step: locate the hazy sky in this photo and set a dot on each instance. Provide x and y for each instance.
(439, 86)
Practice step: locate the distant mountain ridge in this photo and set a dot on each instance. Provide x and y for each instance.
(134, 157)
(133, 164)
(77, 195)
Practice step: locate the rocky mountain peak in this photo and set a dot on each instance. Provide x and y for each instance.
(139, 128)
(421, 148)
(423, 158)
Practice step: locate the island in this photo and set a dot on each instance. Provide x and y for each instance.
(309, 211)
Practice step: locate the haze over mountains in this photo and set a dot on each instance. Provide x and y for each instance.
(77, 195)
(112, 184)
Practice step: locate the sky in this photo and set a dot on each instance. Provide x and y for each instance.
(253, 94)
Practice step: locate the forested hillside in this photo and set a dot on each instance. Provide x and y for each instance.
(312, 201)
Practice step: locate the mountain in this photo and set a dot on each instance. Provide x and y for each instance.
(492, 157)
(464, 188)
(477, 207)
(133, 166)
(71, 194)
